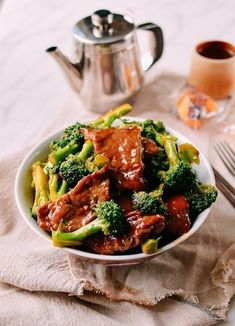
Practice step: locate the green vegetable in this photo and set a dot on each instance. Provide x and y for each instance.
(150, 203)
(154, 130)
(180, 176)
(153, 165)
(150, 246)
(106, 120)
(73, 168)
(69, 142)
(169, 171)
(109, 219)
(60, 154)
(200, 197)
(50, 168)
(96, 162)
(71, 134)
(188, 153)
(40, 184)
(150, 129)
(57, 187)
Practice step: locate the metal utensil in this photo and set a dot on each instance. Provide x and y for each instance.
(227, 155)
(225, 187)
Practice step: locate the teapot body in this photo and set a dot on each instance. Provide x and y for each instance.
(108, 68)
(111, 73)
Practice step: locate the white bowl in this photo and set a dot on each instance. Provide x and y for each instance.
(24, 201)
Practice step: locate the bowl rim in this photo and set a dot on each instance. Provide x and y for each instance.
(101, 257)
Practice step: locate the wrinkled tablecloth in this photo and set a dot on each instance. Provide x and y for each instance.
(189, 285)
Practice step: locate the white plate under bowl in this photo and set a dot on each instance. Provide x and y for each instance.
(24, 201)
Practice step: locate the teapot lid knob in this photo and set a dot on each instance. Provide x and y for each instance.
(103, 27)
(102, 19)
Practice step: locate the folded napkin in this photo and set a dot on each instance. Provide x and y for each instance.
(189, 285)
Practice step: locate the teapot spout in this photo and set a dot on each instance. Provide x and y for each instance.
(72, 71)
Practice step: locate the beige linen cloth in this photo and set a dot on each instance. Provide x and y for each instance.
(191, 284)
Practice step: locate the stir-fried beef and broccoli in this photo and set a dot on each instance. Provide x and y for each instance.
(111, 189)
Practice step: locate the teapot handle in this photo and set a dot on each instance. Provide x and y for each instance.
(149, 58)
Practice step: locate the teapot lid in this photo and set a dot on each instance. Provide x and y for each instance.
(103, 27)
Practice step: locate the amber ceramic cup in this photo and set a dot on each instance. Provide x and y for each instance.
(213, 69)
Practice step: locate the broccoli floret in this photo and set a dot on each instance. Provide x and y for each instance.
(69, 142)
(75, 139)
(96, 162)
(109, 219)
(155, 164)
(160, 127)
(158, 162)
(71, 134)
(179, 177)
(200, 198)
(73, 168)
(40, 184)
(150, 129)
(154, 130)
(72, 130)
(50, 168)
(150, 203)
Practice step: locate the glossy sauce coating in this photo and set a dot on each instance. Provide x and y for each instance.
(123, 148)
(149, 146)
(139, 229)
(178, 221)
(74, 208)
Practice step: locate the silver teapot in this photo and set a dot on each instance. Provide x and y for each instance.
(108, 68)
